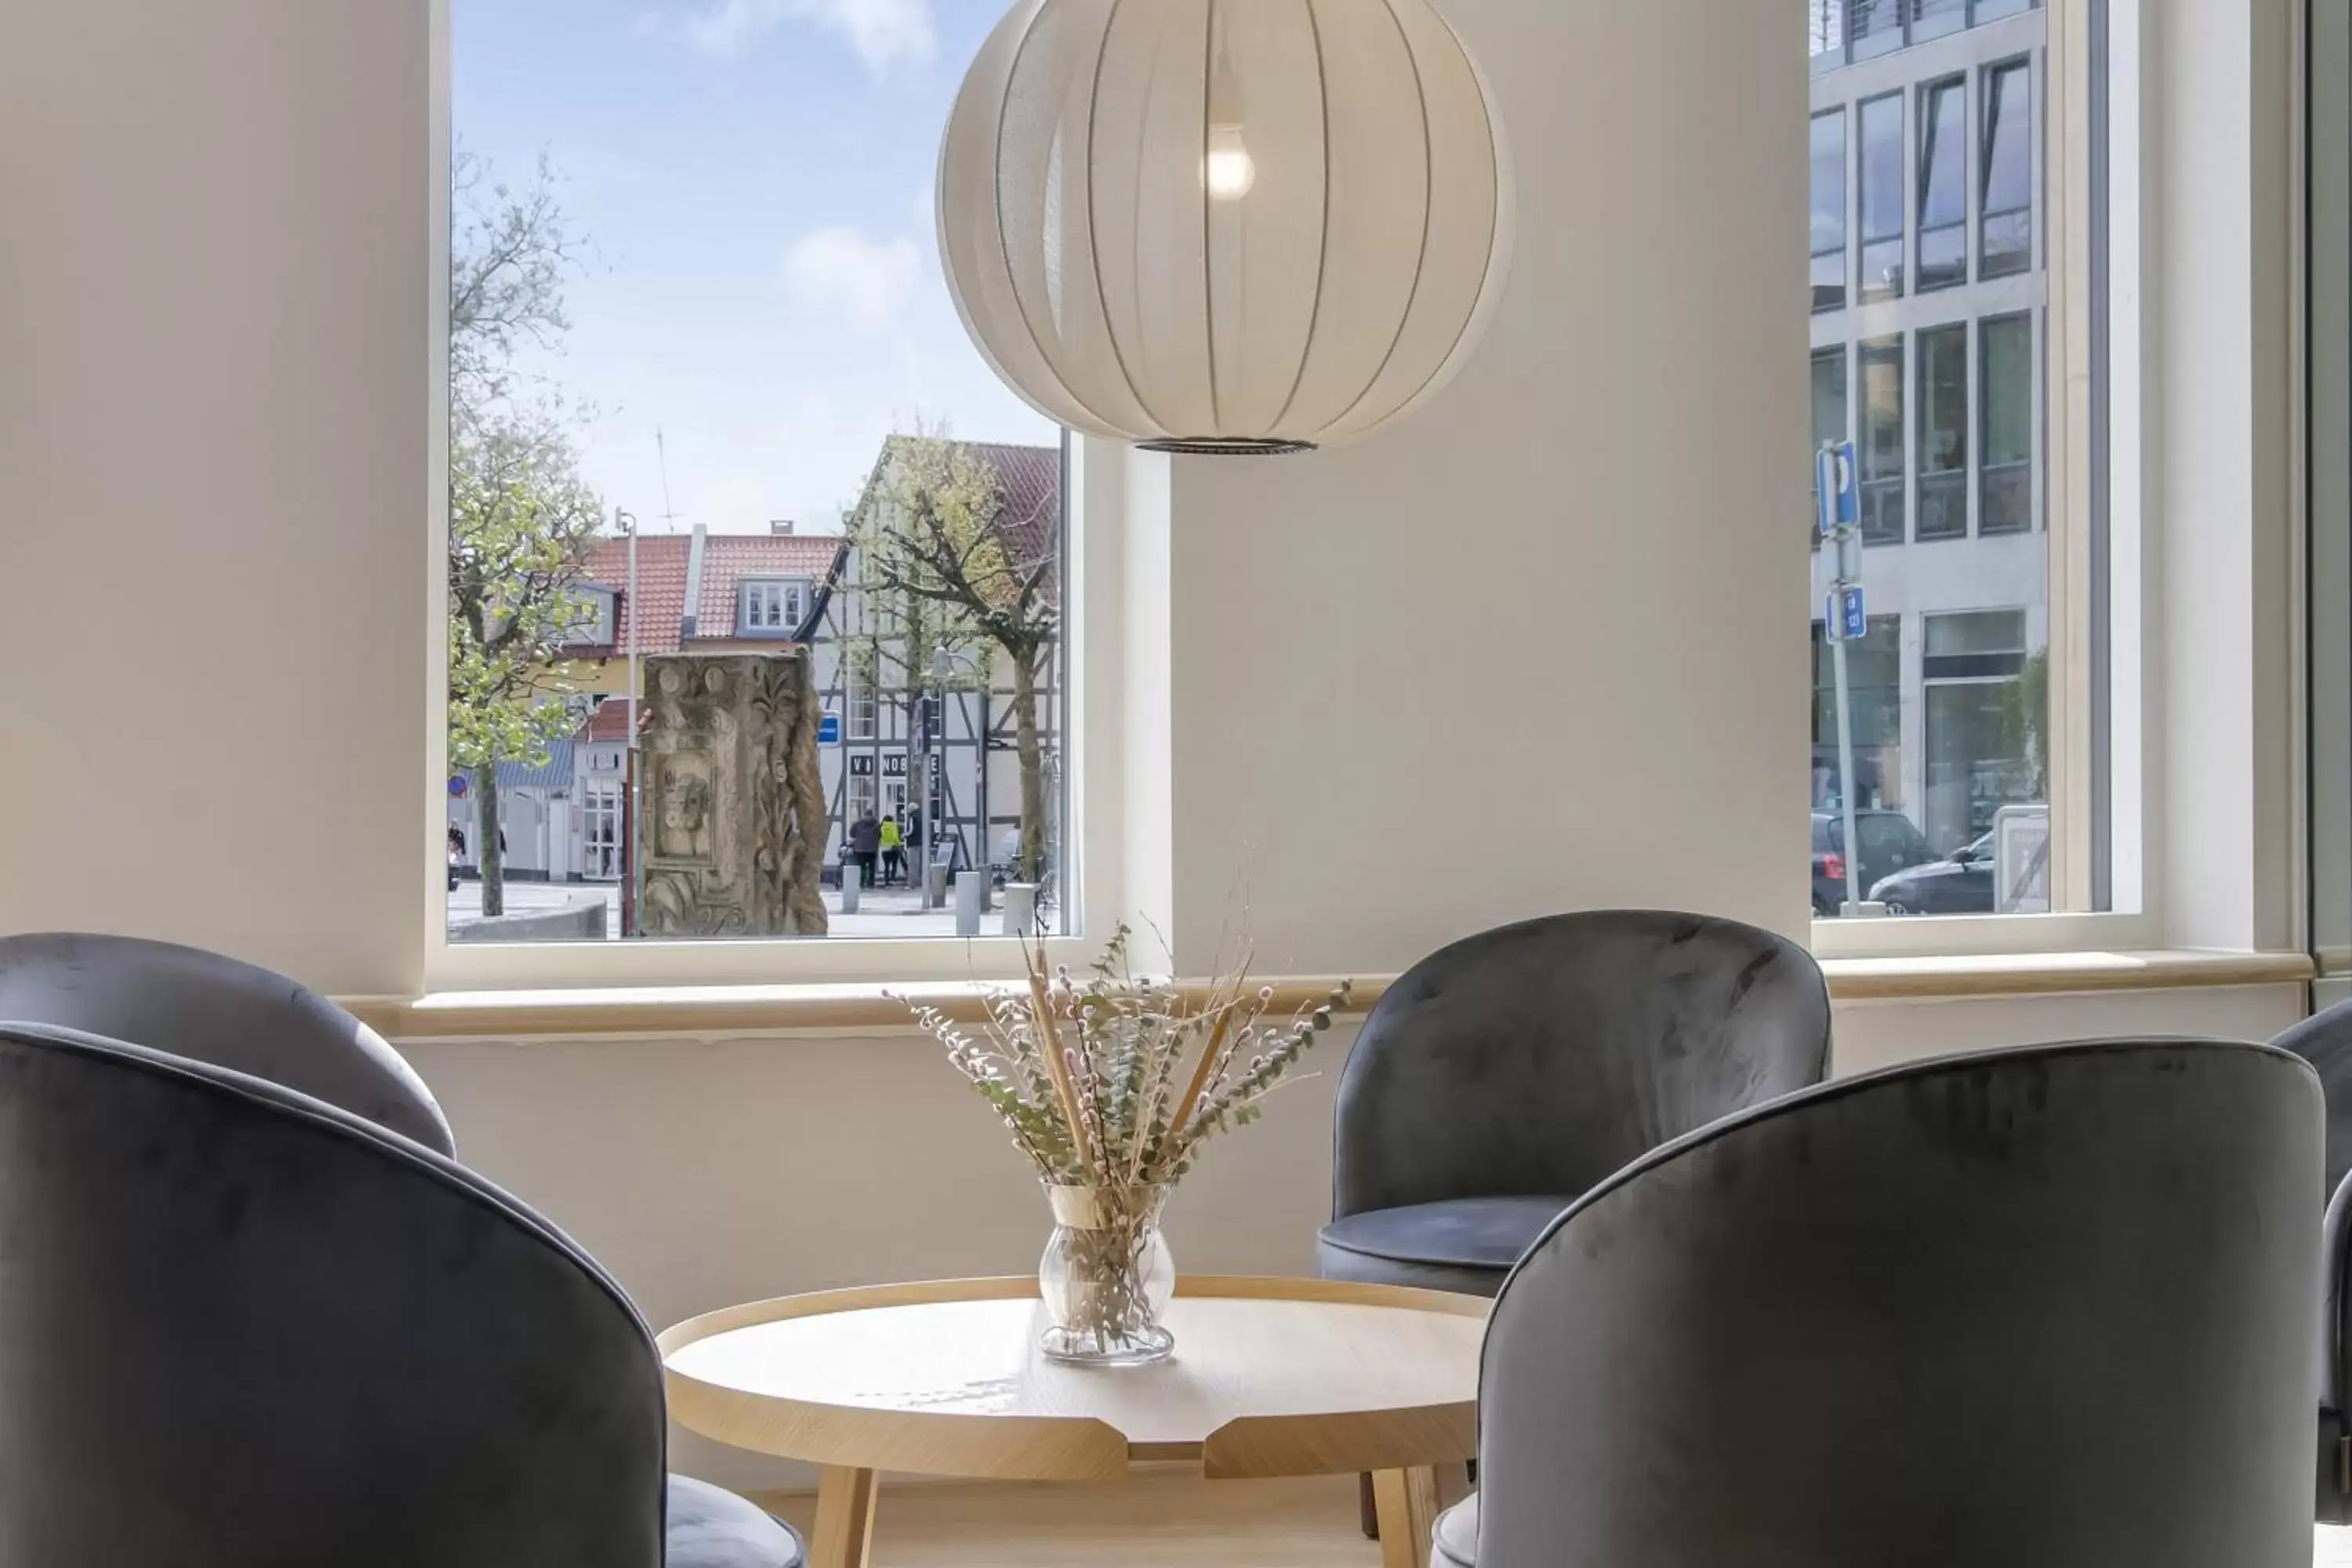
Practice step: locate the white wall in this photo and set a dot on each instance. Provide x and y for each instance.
(213, 455)
(1532, 649)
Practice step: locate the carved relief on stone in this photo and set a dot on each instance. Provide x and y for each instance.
(736, 842)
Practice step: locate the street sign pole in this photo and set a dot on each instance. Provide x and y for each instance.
(1846, 618)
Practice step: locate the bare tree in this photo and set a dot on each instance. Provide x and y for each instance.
(936, 537)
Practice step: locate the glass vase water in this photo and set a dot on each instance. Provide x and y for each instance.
(1106, 1277)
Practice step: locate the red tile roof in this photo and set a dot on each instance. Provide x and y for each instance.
(610, 722)
(726, 560)
(729, 558)
(661, 586)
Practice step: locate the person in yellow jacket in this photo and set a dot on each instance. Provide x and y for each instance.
(894, 850)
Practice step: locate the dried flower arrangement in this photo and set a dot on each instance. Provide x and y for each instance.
(1111, 1085)
(1118, 1080)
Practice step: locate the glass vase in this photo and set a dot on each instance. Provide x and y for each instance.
(1106, 1277)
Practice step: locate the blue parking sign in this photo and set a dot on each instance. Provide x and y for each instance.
(1846, 619)
(828, 730)
(1836, 495)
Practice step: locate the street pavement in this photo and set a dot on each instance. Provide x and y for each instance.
(882, 911)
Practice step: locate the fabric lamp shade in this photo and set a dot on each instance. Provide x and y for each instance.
(1225, 226)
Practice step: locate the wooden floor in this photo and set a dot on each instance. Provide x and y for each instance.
(1154, 1521)
(1151, 1520)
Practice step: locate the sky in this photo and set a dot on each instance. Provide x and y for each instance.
(763, 284)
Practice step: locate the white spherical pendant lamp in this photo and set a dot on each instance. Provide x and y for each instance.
(1225, 226)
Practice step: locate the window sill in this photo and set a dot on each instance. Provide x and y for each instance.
(2056, 973)
(705, 1011)
(714, 1010)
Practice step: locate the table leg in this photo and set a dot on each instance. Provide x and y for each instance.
(1406, 1502)
(1452, 1484)
(844, 1536)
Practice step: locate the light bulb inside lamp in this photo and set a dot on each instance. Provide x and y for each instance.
(1231, 170)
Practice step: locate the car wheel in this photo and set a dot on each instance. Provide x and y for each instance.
(1898, 907)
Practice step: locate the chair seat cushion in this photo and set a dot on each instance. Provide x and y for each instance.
(1462, 1243)
(1454, 1543)
(711, 1527)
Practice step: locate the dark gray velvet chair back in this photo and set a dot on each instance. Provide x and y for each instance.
(242, 1329)
(2326, 1042)
(185, 1002)
(2043, 1308)
(1541, 1057)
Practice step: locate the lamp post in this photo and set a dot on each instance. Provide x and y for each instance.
(627, 523)
(943, 663)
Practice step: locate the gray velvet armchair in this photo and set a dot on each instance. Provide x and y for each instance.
(243, 1323)
(2044, 1308)
(2326, 1042)
(1502, 1076)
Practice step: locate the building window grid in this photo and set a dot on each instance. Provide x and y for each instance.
(1841, 32)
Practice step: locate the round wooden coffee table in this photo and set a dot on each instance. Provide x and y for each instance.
(1271, 1377)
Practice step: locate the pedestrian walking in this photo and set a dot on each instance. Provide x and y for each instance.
(864, 838)
(894, 850)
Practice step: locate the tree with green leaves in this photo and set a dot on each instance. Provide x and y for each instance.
(522, 520)
(937, 540)
(2025, 725)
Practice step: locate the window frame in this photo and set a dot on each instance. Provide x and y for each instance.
(2126, 621)
(781, 594)
(1100, 729)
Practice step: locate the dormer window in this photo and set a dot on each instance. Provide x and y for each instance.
(772, 606)
(596, 610)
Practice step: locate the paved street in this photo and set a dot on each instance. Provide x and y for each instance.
(882, 911)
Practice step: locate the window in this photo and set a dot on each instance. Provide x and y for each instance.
(1873, 669)
(2006, 505)
(863, 709)
(1934, 18)
(772, 609)
(2008, 169)
(1943, 405)
(1828, 211)
(1881, 455)
(1941, 369)
(1882, 196)
(1874, 27)
(1944, 185)
(1825, 32)
(600, 804)
(647, 252)
(1829, 418)
(1983, 723)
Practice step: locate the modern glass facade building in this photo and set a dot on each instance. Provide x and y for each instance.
(1928, 303)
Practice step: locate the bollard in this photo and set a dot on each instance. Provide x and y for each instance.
(850, 887)
(1020, 907)
(971, 889)
(935, 884)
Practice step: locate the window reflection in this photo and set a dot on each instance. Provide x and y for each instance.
(2008, 169)
(1882, 198)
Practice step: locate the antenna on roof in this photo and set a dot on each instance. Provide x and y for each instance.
(670, 512)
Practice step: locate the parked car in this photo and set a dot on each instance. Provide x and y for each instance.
(1961, 884)
(1887, 841)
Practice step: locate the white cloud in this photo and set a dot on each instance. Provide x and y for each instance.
(884, 33)
(869, 281)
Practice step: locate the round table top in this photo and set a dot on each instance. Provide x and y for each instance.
(1270, 1377)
